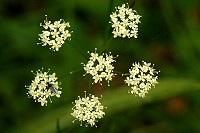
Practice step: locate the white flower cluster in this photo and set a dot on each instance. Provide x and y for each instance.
(44, 86)
(125, 22)
(142, 78)
(100, 66)
(54, 34)
(88, 109)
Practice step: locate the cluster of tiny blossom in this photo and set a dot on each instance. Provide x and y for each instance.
(44, 86)
(125, 22)
(100, 66)
(142, 78)
(88, 109)
(54, 34)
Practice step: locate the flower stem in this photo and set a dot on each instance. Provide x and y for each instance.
(70, 73)
(58, 126)
(89, 85)
(117, 72)
(107, 27)
(132, 4)
(78, 51)
(106, 44)
(106, 38)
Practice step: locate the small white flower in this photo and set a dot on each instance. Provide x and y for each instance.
(54, 34)
(141, 79)
(88, 109)
(125, 22)
(44, 86)
(100, 67)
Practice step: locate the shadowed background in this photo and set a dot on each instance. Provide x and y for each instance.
(169, 37)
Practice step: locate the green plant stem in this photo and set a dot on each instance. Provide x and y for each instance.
(58, 126)
(132, 4)
(77, 70)
(110, 6)
(107, 27)
(70, 73)
(89, 85)
(106, 44)
(117, 72)
(78, 51)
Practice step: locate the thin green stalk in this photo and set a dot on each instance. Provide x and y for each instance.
(89, 85)
(106, 44)
(58, 126)
(117, 72)
(78, 51)
(77, 70)
(132, 4)
(70, 73)
(107, 27)
(110, 6)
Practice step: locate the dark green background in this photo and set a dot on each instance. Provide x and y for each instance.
(169, 37)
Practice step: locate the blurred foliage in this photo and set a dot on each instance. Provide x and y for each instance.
(168, 37)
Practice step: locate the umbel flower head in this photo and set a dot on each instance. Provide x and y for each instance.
(125, 22)
(100, 67)
(142, 78)
(43, 87)
(54, 34)
(88, 109)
